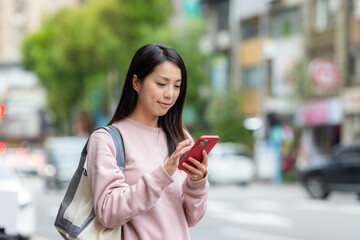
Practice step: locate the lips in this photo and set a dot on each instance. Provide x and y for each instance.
(164, 105)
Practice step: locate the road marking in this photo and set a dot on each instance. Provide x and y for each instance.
(329, 207)
(223, 211)
(37, 237)
(266, 205)
(265, 219)
(252, 235)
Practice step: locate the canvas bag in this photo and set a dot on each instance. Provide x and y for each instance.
(76, 216)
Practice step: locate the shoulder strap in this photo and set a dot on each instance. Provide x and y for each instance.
(63, 222)
(119, 146)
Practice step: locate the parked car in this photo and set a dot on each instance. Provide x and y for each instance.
(63, 158)
(24, 160)
(230, 163)
(16, 218)
(338, 171)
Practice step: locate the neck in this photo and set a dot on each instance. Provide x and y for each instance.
(151, 121)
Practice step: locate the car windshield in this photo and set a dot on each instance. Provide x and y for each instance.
(65, 156)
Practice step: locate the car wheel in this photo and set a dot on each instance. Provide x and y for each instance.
(243, 183)
(316, 187)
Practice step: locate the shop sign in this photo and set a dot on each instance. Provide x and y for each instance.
(320, 112)
(351, 100)
(324, 73)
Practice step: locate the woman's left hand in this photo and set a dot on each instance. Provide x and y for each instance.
(200, 171)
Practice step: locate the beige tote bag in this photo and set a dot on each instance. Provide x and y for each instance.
(76, 217)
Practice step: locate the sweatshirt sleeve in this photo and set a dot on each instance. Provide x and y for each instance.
(194, 197)
(115, 202)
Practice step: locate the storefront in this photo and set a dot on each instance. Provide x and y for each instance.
(320, 121)
(351, 126)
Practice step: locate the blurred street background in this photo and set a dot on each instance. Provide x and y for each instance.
(277, 80)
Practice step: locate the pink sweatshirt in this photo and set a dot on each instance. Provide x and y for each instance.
(144, 198)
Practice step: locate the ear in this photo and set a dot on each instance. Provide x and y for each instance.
(135, 83)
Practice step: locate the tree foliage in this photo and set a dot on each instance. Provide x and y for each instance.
(75, 49)
(227, 120)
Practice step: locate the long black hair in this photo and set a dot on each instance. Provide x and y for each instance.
(143, 63)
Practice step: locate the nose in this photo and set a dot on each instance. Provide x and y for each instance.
(169, 91)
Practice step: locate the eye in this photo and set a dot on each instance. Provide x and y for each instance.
(177, 86)
(161, 84)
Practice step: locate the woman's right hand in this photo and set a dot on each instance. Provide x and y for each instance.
(172, 163)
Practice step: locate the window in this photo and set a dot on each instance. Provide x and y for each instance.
(19, 6)
(355, 126)
(223, 15)
(356, 8)
(219, 72)
(252, 77)
(325, 12)
(350, 155)
(268, 77)
(353, 70)
(249, 29)
(19, 18)
(351, 65)
(285, 23)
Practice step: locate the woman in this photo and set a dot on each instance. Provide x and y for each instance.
(151, 199)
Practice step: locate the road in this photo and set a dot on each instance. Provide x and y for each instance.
(277, 212)
(256, 212)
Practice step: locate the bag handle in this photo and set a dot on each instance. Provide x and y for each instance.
(119, 146)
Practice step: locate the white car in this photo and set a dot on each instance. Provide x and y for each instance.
(17, 210)
(230, 163)
(63, 158)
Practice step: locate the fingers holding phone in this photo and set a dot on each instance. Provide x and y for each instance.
(199, 170)
(196, 160)
(173, 161)
(194, 157)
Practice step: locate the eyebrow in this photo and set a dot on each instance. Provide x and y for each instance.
(167, 79)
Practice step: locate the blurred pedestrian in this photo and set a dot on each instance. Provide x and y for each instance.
(151, 198)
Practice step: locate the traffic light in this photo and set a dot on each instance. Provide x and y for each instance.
(2, 110)
(2, 148)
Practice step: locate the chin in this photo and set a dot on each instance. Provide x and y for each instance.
(161, 114)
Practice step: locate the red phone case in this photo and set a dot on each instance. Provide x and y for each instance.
(206, 142)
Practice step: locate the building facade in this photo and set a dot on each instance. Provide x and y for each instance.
(18, 17)
(20, 91)
(350, 93)
(296, 66)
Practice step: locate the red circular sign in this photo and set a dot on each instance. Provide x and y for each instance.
(324, 73)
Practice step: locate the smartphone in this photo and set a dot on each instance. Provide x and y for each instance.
(205, 142)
